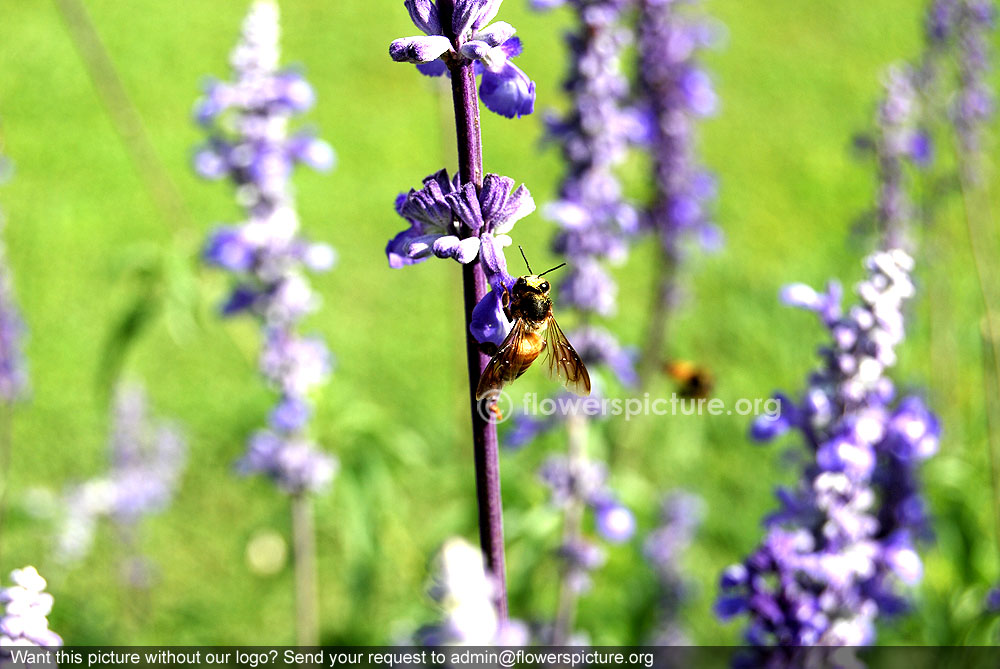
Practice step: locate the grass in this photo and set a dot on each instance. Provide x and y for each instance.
(796, 81)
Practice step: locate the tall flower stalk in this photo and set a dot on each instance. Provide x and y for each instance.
(247, 121)
(681, 513)
(596, 225)
(468, 217)
(973, 107)
(958, 36)
(675, 91)
(842, 542)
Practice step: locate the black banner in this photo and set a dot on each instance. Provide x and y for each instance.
(499, 657)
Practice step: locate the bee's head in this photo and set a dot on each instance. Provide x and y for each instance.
(532, 283)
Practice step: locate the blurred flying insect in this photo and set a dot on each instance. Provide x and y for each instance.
(535, 329)
(694, 381)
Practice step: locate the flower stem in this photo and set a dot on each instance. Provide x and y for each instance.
(576, 427)
(484, 433)
(306, 593)
(991, 354)
(124, 115)
(664, 290)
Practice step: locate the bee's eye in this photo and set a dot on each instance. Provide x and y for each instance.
(544, 286)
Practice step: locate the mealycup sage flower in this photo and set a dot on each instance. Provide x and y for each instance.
(469, 217)
(835, 551)
(504, 88)
(681, 513)
(247, 123)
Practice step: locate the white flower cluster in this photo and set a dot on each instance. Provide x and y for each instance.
(26, 607)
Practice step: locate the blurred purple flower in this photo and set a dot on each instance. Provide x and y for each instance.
(247, 122)
(676, 92)
(899, 140)
(992, 604)
(13, 370)
(146, 460)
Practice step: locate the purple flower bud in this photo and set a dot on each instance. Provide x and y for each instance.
(290, 415)
(295, 91)
(508, 92)
(419, 49)
(228, 249)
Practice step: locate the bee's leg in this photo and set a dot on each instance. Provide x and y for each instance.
(495, 410)
(505, 303)
(489, 348)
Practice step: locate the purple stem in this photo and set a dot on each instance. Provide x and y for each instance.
(484, 433)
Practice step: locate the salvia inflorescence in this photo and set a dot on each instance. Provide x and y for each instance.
(841, 541)
(247, 122)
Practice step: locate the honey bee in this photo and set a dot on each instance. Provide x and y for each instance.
(528, 305)
(695, 381)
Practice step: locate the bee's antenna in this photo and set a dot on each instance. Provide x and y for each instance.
(525, 258)
(552, 270)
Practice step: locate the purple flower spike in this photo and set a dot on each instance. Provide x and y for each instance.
(247, 120)
(841, 544)
(676, 91)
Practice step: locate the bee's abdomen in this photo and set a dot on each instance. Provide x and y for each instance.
(528, 350)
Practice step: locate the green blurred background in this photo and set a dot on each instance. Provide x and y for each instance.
(87, 245)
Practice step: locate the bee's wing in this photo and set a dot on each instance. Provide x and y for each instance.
(504, 367)
(564, 362)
